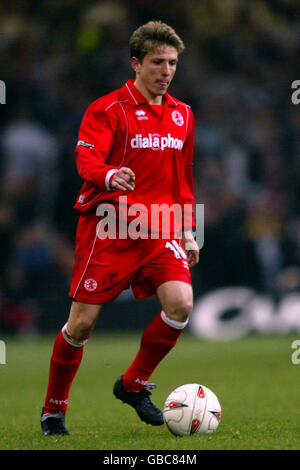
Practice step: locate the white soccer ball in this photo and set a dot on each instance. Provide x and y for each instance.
(192, 409)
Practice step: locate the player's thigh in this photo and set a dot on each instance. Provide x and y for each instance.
(176, 299)
(82, 318)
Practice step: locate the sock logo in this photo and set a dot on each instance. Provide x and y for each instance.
(142, 382)
(58, 402)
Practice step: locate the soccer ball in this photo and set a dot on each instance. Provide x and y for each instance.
(192, 409)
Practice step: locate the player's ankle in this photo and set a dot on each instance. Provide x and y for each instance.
(133, 385)
(50, 411)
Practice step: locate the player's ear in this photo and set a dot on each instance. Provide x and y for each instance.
(135, 64)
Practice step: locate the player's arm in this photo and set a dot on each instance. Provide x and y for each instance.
(95, 141)
(188, 240)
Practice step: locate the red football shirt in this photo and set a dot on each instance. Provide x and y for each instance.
(123, 129)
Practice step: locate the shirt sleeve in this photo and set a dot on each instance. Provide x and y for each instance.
(95, 141)
(187, 194)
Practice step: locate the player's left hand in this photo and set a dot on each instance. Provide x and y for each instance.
(123, 180)
(193, 257)
(191, 248)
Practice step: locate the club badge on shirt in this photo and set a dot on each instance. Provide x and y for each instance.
(177, 118)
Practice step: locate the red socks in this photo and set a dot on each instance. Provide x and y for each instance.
(158, 339)
(65, 360)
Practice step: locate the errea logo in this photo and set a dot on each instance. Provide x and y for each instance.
(141, 114)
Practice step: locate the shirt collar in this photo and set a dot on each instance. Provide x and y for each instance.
(137, 98)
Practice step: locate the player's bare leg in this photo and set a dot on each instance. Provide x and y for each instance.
(176, 298)
(158, 339)
(65, 361)
(82, 320)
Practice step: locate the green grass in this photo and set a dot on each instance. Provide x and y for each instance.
(254, 379)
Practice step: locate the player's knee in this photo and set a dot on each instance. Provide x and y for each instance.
(84, 328)
(82, 320)
(180, 309)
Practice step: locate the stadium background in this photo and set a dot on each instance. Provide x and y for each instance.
(240, 60)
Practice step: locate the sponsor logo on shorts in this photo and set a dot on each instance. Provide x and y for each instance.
(90, 285)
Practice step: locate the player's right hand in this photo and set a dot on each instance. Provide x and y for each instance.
(123, 180)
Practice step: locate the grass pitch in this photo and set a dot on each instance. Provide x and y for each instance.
(254, 378)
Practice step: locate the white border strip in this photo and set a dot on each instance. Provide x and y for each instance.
(175, 324)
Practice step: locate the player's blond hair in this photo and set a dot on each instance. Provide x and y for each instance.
(150, 36)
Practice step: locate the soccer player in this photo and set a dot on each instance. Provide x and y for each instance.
(134, 151)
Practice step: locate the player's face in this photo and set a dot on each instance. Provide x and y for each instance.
(155, 73)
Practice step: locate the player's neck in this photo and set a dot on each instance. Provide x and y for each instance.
(152, 99)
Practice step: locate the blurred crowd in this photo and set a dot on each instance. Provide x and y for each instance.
(240, 60)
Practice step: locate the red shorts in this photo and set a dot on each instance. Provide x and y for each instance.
(104, 268)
